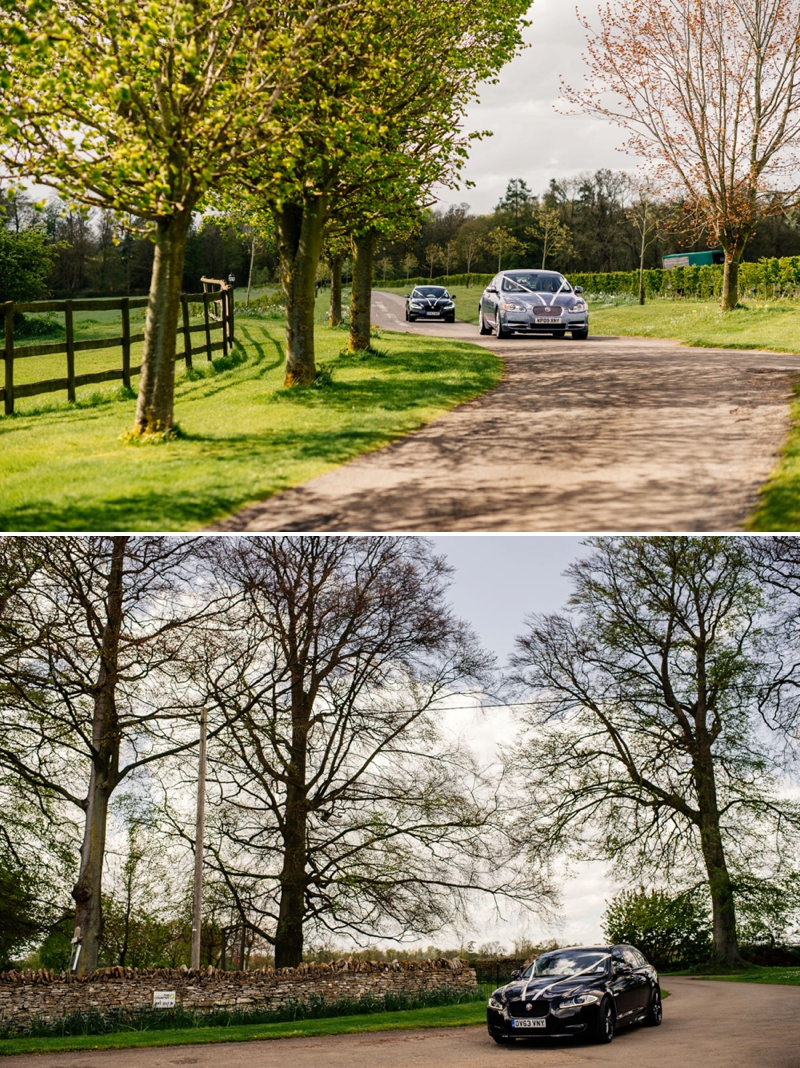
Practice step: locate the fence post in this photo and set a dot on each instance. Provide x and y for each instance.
(9, 356)
(187, 332)
(231, 308)
(223, 314)
(68, 325)
(126, 343)
(208, 324)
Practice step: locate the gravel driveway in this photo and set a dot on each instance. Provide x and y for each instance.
(610, 434)
(706, 1025)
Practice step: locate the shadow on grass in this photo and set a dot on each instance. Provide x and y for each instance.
(206, 475)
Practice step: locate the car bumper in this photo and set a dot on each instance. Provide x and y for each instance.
(524, 322)
(559, 1024)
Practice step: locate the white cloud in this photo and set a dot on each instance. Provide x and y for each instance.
(531, 140)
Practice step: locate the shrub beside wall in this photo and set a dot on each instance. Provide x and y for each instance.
(42, 996)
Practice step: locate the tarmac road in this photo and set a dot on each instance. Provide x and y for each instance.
(609, 434)
(706, 1025)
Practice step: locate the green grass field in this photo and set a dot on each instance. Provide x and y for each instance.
(465, 1015)
(244, 438)
(752, 974)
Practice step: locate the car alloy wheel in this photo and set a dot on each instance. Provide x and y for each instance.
(655, 1013)
(605, 1023)
(499, 332)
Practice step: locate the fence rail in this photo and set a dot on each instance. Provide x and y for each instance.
(217, 313)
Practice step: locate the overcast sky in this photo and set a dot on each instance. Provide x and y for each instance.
(531, 140)
(498, 581)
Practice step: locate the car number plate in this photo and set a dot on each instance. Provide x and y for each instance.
(529, 1023)
(547, 322)
(431, 313)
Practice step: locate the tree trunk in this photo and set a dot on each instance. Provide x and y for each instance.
(250, 272)
(300, 227)
(157, 383)
(723, 908)
(361, 296)
(730, 284)
(335, 312)
(105, 772)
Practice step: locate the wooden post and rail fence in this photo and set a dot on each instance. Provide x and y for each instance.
(217, 311)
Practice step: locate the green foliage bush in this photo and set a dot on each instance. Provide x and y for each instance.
(672, 930)
(25, 261)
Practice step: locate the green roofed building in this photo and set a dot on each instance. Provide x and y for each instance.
(693, 259)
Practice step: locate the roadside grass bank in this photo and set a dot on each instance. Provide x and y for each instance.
(779, 509)
(242, 436)
(774, 326)
(462, 1015)
(751, 974)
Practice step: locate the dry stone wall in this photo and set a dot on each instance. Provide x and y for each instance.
(44, 996)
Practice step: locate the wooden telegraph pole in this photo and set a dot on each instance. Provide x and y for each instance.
(197, 906)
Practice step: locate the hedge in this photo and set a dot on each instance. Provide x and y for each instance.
(769, 278)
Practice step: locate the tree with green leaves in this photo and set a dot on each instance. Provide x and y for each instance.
(648, 738)
(500, 242)
(26, 259)
(146, 109)
(370, 129)
(550, 234)
(672, 930)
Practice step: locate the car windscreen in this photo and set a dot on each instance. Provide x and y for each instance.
(568, 962)
(541, 282)
(429, 291)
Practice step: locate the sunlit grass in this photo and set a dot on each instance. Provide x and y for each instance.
(243, 437)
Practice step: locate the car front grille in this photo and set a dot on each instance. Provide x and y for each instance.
(537, 1008)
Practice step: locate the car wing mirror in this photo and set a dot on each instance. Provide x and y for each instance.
(578, 289)
(491, 289)
(452, 296)
(516, 973)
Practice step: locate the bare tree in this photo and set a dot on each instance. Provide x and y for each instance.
(94, 641)
(709, 90)
(643, 214)
(339, 803)
(647, 739)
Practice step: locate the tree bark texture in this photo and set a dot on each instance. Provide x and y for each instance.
(105, 771)
(300, 227)
(723, 908)
(157, 383)
(335, 311)
(730, 285)
(289, 929)
(361, 297)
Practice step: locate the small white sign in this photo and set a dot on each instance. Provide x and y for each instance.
(163, 999)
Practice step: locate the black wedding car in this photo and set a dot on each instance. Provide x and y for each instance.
(430, 302)
(586, 991)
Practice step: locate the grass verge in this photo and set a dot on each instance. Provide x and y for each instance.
(779, 509)
(466, 1015)
(242, 436)
(774, 326)
(753, 974)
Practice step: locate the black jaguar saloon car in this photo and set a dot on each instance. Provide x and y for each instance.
(430, 302)
(586, 991)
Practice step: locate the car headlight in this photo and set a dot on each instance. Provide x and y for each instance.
(449, 304)
(577, 1000)
(510, 306)
(496, 1003)
(578, 308)
(415, 304)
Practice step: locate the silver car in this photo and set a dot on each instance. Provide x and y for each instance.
(533, 302)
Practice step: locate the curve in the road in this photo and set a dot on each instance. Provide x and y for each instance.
(706, 1025)
(610, 434)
